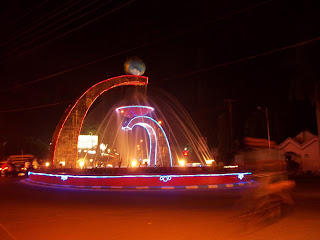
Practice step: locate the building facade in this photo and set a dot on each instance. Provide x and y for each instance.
(301, 152)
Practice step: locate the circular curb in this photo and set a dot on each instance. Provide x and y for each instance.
(191, 187)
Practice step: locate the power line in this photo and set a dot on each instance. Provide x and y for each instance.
(177, 33)
(63, 25)
(81, 26)
(72, 69)
(241, 59)
(140, 46)
(194, 72)
(36, 107)
(38, 24)
(32, 10)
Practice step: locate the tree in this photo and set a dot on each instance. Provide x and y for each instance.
(305, 83)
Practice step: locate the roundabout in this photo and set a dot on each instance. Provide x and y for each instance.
(160, 164)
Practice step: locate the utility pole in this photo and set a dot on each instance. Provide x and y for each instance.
(229, 103)
(268, 128)
(317, 101)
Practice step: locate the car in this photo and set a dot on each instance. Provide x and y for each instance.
(3, 168)
(14, 168)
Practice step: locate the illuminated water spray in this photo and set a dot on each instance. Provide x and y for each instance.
(137, 116)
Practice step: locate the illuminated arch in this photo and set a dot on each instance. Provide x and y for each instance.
(149, 124)
(64, 143)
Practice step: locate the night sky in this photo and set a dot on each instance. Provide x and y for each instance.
(196, 51)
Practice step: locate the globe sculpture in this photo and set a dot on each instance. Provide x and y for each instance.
(134, 66)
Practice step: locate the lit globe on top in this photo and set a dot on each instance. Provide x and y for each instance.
(134, 66)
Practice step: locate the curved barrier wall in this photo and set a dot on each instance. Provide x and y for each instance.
(140, 180)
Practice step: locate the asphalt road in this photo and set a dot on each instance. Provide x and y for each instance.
(35, 212)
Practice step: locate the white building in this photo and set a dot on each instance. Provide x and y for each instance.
(302, 149)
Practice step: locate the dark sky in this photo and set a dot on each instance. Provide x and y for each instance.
(181, 42)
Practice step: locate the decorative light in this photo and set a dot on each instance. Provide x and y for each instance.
(239, 175)
(91, 160)
(196, 164)
(165, 178)
(147, 126)
(231, 166)
(160, 122)
(134, 163)
(63, 163)
(47, 164)
(138, 146)
(209, 161)
(134, 106)
(182, 163)
(92, 151)
(141, 140)
(185, 152)
(109, 150)
(64, 177)
(103, 147)
(81, 164)
(145, 161)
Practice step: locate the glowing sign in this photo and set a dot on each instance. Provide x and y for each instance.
(87, 141)
(165, 178)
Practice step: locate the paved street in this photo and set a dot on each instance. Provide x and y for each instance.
(34, 212)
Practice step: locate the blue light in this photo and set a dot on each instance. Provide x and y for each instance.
(147, 126)
(140, 176)
(156, 146)
(163, 132)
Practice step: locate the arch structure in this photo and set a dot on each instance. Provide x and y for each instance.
(159, 147)
(64, 143)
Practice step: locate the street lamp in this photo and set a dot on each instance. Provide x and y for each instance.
(268, 129)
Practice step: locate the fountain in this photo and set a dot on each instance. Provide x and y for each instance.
(159, 165)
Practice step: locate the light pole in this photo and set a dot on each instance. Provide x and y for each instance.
(268, 129)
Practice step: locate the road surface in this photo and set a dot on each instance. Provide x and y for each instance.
(36, 212)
